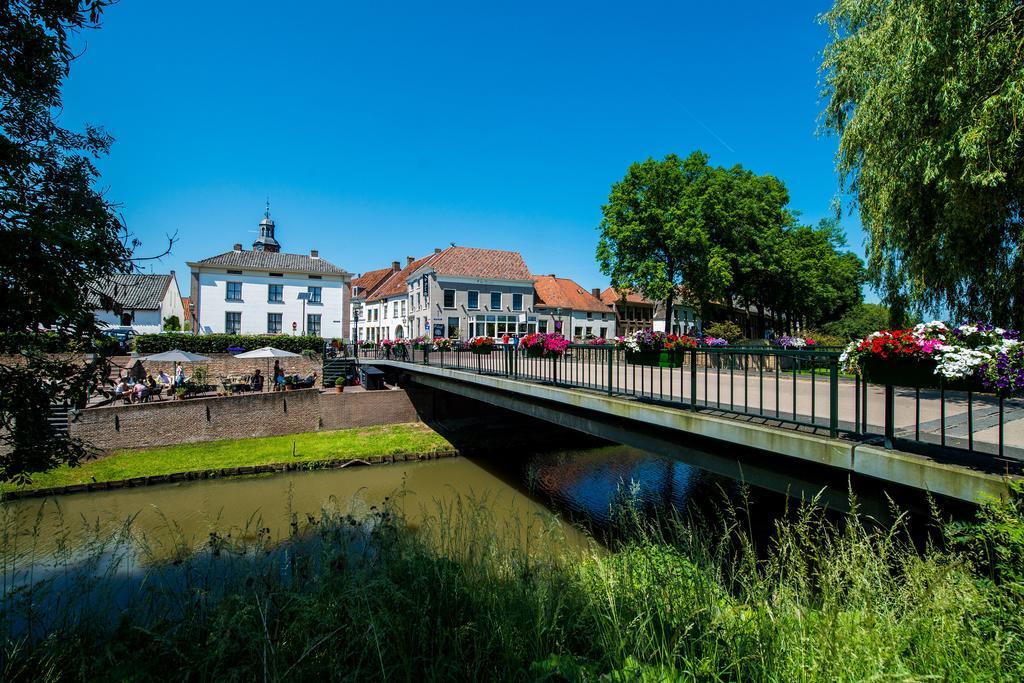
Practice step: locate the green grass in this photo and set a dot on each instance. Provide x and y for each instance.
(308, 447)
(451, 601)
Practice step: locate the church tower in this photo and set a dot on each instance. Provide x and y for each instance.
(266, 241)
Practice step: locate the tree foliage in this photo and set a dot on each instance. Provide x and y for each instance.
(58, 234)
(860, 321)
(927, 98)
(723, 234)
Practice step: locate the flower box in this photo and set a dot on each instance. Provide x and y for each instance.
(900, 372)
(536, 351)
(481, 350)
(652, 358)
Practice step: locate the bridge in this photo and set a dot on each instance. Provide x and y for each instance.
(789, 409)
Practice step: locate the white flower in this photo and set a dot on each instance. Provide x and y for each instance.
(955, 362)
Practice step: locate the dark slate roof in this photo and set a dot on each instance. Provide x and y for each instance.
(271, 260)
(132, 290)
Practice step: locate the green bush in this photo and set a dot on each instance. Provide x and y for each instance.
(727, 330)
(220, 343)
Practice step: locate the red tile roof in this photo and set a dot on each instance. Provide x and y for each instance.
(561, 292)
(611, 297)
(482, 263)
(370, 281)
(397, 284)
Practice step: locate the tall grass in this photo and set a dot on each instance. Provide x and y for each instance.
(458, 598)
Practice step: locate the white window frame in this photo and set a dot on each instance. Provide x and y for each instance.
(227, 291)
(519, 306)
(493, 307)
(229, 313)
(469, 300)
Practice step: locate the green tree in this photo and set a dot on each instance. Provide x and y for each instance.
(822, 280)
(172, 323)
(926, 99)
(58, 234)
(654, 236)
(859, 322)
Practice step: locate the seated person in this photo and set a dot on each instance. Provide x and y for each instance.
(164, 378)
(257, 381)
(310, 380)
(121, 388)
(140, 391)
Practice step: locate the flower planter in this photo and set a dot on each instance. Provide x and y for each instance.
(652, 358)
(482, 351)
(900, 372)
(339, 388)
(534, 351)
(671, 359)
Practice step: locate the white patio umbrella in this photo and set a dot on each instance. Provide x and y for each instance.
(267, 352)
(176, 356)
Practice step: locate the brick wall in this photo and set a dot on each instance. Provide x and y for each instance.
(366, 408)
(223, 364)
(206, 419)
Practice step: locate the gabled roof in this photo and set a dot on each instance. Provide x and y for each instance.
(561, 292)
(368, 282)
(611, 297)
(397, 284)
(272, 260)
(137, 291)
(492, 264)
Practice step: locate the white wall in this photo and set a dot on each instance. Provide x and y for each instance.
(571, 320)
(255, 306)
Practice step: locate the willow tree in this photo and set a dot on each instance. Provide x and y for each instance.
(927, 100)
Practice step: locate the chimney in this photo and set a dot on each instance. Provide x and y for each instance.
(313, 253)
(596, 291)
(237, 247)
(437, 250)
(409, 260)
(551, 275)
(172, 273)
(396, 266)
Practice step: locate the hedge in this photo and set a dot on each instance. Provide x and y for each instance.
(220, 343)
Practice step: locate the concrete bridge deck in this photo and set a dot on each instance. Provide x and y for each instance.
(637, 401)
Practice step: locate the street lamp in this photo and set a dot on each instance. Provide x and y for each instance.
(303, 297)
(356, 310)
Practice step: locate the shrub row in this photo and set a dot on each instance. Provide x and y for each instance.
(220, 343)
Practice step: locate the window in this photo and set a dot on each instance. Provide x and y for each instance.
(234, 272)
(578, 333)
(314, 295)
(315, 277)
(394, 309)
(232, 322)
(517, 302)
(473, 300)
(542, 327)
(275, 294)
(419, 303)
(453, 328)
(403, 309)
(313, 323)
(449, 298)
(590, 331)
(590, 315)
(273, 323)
(234, 291)
(276, 274)
(602, 332)
(495, 301)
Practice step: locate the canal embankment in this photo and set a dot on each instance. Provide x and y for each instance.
(127, 468)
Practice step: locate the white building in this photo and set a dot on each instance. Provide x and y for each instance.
(145, 301)
(266, 291)
(563, 306)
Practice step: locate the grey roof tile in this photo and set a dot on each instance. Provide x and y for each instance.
(132, 290)
(272, 260)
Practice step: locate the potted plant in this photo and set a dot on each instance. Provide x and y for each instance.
(481, 346)
(289, 383)
(538, 345)
(644, 347)
(339, 385)
(672, 353)
(179, 393)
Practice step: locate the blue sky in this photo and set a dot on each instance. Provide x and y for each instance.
(381, 130)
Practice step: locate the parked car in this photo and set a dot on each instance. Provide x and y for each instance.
(123, 336)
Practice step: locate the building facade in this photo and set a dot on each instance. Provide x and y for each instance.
(465, 292)
(145, 301)
(563, 306)
(266, 291)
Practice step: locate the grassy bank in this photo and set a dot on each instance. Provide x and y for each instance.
(689, 601)
(195, 457)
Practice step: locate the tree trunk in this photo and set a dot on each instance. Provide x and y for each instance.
(669, 301)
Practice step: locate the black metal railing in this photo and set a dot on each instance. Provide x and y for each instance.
(802, 389)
